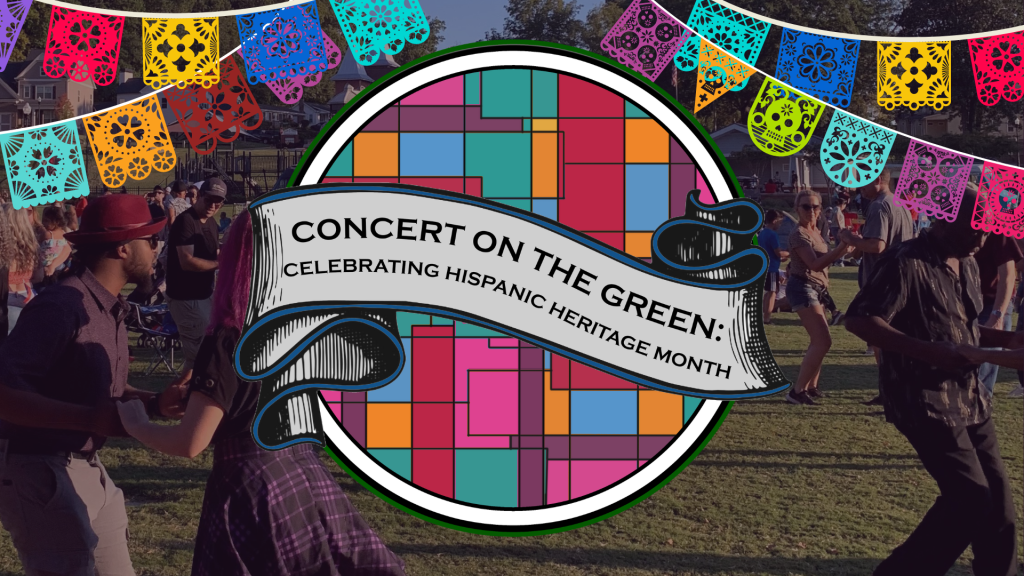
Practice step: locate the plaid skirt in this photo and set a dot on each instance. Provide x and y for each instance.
(282, 513)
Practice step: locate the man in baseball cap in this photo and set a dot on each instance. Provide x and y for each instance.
(191, 266)
(61, 370)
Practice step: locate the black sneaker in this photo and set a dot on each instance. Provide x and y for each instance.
(801, 398)
(815, 393)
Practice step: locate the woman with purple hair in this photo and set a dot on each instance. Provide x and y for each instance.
(265, 512)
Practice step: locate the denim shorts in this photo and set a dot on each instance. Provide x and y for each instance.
(803, 294)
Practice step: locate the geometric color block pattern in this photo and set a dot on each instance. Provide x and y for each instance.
(914, 74)
(998, 63)
(83, 45)
(735, 33)
(181, 51)
(1000, 205)
(44, 165)
(818, 65)
(475, 415)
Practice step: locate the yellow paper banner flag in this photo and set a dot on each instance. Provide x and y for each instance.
(182, 51)
(913, 74)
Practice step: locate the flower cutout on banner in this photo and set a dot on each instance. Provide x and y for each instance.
(180, 51)
(375, 26)
(998, 67)
(83, 45)
(130, 141)
(286, 43)
(913, 74)
(854, 152)
(933, 180)
(289, 90)
(820, 66)
(718, 73)
(782, 120)
(44, 164)
(1000, 205)
(12, 17)
(645, 38)
(738, 34)
(218, 113)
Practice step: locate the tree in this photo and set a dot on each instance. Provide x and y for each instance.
(429, 46)
(64, 108)
(599, 21)
(548, 20)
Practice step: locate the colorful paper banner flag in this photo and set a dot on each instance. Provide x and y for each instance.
(854, 152)
(44, 164)
(289, 90)
(130, 141)
(781, 121)
(718, 73)
(180, 51)
(375, 26)
(12, 17)
(81, 45)
(998, 63)
(818, 65)
(913, 74)
(738, 34)
(285, 43)
(218, 113)
(645, 38)
(999, 208)
(933, 180)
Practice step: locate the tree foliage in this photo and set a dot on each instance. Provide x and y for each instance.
(547, 20)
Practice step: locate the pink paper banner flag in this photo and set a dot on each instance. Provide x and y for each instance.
(933, 180)
(999, 208)
(998, 67)
(645, 38)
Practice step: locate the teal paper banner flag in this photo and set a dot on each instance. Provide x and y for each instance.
(44, 164)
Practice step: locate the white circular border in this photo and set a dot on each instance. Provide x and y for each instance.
(695, 147)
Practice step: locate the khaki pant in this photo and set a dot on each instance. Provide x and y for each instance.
(65, 516)
(191, 317)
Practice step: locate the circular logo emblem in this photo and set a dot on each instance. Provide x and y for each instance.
(481, 431)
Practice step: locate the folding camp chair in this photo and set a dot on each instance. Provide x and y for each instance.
(157, 332)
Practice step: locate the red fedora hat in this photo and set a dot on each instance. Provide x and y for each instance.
(115, 218)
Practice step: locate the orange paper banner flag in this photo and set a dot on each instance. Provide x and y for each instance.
(717, 73)
(130, 141)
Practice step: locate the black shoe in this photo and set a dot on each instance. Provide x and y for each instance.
(815, 393)
(801, 398)
(876, 401)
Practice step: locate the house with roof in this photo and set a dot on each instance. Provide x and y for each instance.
(352, 77)
(733, 141)
(277, 116)
(29, 97)
(315, 113)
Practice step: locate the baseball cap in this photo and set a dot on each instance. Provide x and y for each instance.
(214, 187)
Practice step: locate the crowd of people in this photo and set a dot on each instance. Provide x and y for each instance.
(934, 308)
(64, 389)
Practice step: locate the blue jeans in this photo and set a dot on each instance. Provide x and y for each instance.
(988, 373)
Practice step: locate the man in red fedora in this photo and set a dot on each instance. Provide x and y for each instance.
(60, 372)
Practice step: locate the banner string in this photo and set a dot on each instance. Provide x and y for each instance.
(829, 33)
(150, 15)
(776, 80)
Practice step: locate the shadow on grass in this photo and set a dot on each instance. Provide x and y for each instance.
(647, 560)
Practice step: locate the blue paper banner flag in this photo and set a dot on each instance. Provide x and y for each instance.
(818, 65)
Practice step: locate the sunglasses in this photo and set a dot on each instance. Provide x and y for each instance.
(153, 241)
(810, 207)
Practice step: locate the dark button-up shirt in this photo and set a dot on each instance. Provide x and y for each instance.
(917, 293)
(70, 344)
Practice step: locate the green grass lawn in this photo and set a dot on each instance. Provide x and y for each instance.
(780, 490)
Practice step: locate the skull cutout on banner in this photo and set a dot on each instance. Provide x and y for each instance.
(998, 208)
(933, 180)
(781, 120)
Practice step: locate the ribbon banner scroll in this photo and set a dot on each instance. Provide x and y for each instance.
(334, 262)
